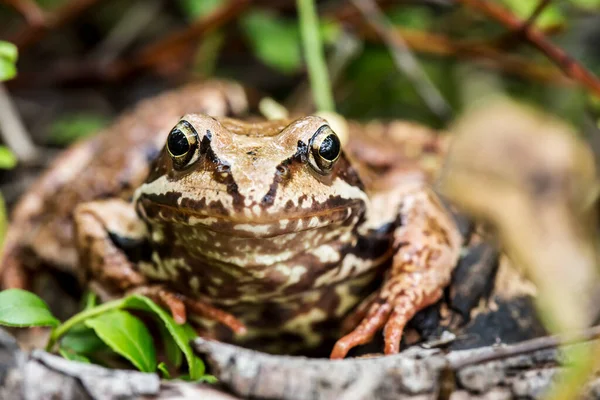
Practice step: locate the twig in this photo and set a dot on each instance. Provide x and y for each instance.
(12, 129)
(569, 66)
(404, 59)
(64, 14)
(30, 10)
(313, 52)
(528, 346)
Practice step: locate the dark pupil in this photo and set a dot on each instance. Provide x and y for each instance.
(178, 143)
(330, 148)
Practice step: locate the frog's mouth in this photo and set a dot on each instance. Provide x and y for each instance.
(259, 225)
(286, 224)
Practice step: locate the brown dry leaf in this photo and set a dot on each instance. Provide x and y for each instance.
(531, 177)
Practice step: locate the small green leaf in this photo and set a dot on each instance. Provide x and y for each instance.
(127, 336)
(73, 356)
(162, 367)
(8, 70)
(276, 42)
(8, 160)
(182, 334)
(8, 58)
(8, 52)
(69, 128)
(20, 308)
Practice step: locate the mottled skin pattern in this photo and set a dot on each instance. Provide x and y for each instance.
(254, 230)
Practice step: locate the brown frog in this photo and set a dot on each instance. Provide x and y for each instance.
(268, 228)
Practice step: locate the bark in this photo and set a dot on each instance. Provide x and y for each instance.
(417, 373)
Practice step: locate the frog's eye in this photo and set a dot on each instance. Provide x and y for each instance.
(182, 143)
(325, 149)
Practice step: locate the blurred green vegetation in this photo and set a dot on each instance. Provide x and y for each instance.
(261, 47)
(8, 58)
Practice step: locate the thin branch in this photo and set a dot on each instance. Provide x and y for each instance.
(528, 346)
(569, 66)
(404, 59)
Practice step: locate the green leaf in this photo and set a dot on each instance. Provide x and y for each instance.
(162, 367)
(275, 41)
(172, 350)
(83, 340)
(8, 160)
(73, 356)
(20, 308)
(8, 58)
(8, 52)
(69, 128)
(127, 336)
(8, 70)
(182, 334)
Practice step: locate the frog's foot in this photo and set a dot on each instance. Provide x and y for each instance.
(391, 314)
(428, 244)
(180, 306)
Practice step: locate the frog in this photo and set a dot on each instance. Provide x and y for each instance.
(279, 235)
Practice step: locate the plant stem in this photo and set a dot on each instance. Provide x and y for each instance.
(313, 52)
(62, 329)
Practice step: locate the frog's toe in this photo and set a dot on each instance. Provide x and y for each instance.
(392, 332)
(375, 319)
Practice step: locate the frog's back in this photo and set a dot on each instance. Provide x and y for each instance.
(109, 164)
(390, 154)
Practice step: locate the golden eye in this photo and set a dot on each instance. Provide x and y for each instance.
(182, 143)
(325, 149)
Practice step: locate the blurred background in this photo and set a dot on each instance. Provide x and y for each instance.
(82, 62)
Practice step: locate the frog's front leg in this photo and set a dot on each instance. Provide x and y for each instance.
(111, 241)
(427, 244)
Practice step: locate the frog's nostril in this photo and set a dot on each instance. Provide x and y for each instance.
(223, 169)
(283, 171)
